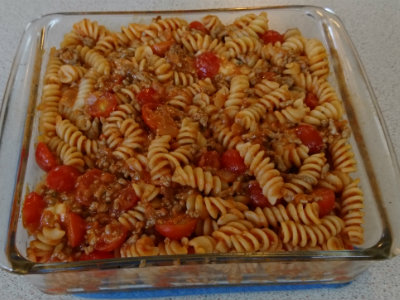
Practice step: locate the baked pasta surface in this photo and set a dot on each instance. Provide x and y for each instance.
(179, 138)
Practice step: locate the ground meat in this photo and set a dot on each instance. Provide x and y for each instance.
(180, 60)
(68, 55)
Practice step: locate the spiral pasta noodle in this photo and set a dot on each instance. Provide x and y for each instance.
(351, 212)
(263, 169)
(204, 181)
(305, 235)
(272, 216)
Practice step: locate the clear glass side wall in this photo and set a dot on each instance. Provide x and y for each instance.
(13, 114)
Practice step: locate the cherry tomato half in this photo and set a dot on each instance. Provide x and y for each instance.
(76, 229)
(326, 200)
(112, 237)
(311, 100)
(177, 228)
(198, 26)
(88, 183)
(232, 161)
(101, 104)
(256, 196)
(32, 211)
(207, 65)
(148, 95)
(44, 158)
(158, 118)
(96, 255)
(62, 178)
(310, 137)
(210, 159)
(125, 199)
(162, 47)
(272, 36)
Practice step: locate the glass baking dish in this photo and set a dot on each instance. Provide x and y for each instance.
(377, 169)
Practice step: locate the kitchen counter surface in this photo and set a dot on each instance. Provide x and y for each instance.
(374, 29)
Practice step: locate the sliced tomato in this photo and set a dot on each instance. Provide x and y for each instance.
(32, 211)
(256, 196)
(162, 47)
(210, 159)
(76, 229)
(198, 26)
(148, 95)
(44, 158)
(150, 116)
(326, 200)
(272, 36)
(62, 178)
(88, 183)
(232, 161)
(311, 100)
(177, 228)
(101, 104)
(112, 237)
(96, 255)
(207, 65)
(310, 137)
(125, 199)
(158, 118)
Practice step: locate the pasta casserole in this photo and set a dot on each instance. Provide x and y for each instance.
(180, 137)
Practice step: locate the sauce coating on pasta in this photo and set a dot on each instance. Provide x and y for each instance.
(181, 137)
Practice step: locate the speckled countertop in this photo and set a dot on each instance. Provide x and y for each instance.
(374, 29)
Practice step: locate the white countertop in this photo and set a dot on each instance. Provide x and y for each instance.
(374, 29)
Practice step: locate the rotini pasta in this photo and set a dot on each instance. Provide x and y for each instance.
(173, 138)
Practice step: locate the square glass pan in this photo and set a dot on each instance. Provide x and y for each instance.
(377, 169)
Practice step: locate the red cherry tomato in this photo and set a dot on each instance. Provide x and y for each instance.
(177, 228)
(311, 100)
(158, 118)
(76, 229)
(150, 115)
(112, 237)
(232, 161)
(32, 211)
(198, 26)
(148, 95)
(310, 137)
(62, 178)
(210, 159)
(125, 199)
(88, 183)
(101, 104)
(44, 158)
(207, 65)
(162, 47)
(326, 200)
(96, 255)
(272, 36)
(256, 196)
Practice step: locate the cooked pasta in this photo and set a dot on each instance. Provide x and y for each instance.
(172, 138)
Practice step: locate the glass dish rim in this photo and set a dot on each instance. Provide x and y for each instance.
(21, 265)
